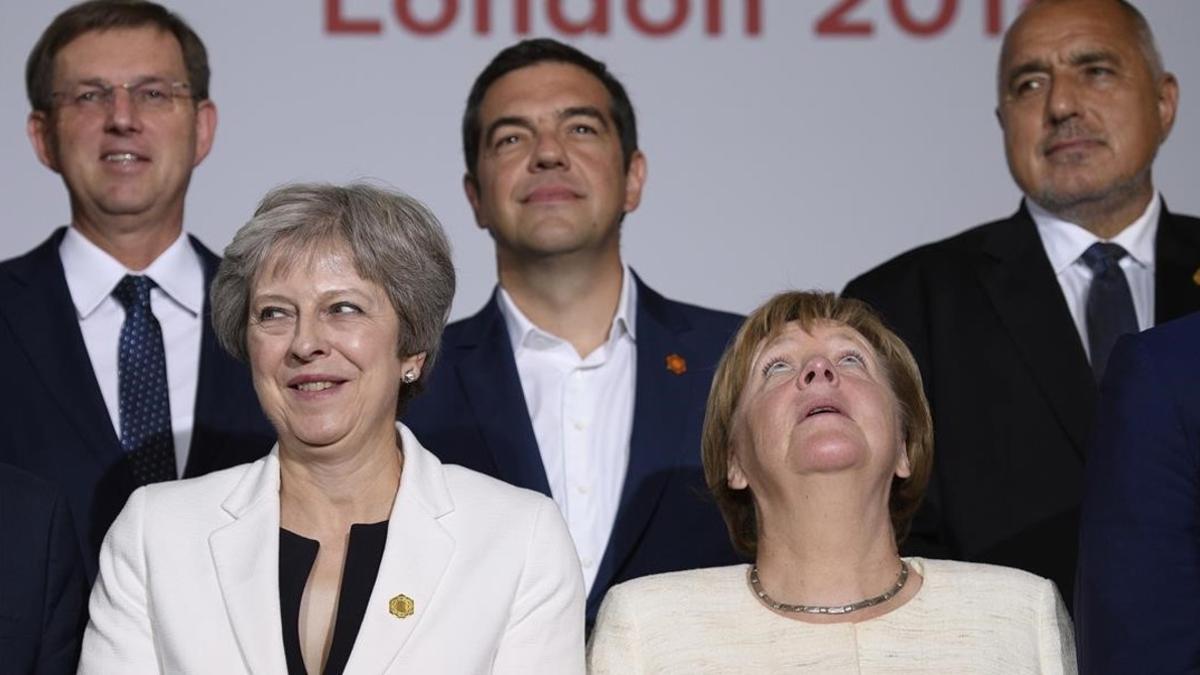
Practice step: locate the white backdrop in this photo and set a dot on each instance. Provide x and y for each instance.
(787, 155)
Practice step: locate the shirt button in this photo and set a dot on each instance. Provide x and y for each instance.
(586, 562)
(581, 489)
(579, 425)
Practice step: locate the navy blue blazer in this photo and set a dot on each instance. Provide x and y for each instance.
(473, 413)
(53, 421)
(1137, 597)
(42, 592)
(1008, 381)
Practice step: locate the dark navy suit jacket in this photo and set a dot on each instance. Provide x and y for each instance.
(53, 421)
(473, 413)
(1137, 598)
(42, 590)
(1008, 381)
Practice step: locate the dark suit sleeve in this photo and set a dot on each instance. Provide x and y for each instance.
(64, 610)
(896, 291)
(1138, 588)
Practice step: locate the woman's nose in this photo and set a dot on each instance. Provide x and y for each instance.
(308, 341)
(817, 369)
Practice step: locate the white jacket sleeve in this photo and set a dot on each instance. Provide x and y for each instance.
(119, 636)
(544, 633)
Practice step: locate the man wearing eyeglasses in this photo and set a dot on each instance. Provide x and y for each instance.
(115, 378)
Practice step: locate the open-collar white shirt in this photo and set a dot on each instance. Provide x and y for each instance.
(1065, 243)
(582, 414)
(177, 302)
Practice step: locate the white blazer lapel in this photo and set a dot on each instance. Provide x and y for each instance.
(416, 555)
(246, 555)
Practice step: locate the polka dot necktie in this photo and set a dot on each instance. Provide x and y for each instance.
(1110, 312)
(145, 408)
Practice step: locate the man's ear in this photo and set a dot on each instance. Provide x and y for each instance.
(1168, 103)
(635, 180)
(41, 136)
(206, 130)
(471, 188)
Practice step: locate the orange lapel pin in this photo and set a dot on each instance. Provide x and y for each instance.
(676, 364)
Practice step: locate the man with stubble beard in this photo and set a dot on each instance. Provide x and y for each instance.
(576, 379)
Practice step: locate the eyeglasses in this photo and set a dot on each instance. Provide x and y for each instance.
(149, 96)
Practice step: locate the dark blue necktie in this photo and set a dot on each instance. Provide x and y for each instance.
(145, 406)
(1110, 312)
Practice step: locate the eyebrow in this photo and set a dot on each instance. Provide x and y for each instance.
(1091, 56)
(508, 121)
(1031, 66)
(844, 334)
(137, 81)
(323, 295)
(584, 111)
(1083, 58)
(589, 111)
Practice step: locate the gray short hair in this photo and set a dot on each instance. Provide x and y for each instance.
(393, 239)
(1146, 39)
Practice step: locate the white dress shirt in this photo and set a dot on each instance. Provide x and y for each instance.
(177, 302)
(1065, 243)
(582, 414)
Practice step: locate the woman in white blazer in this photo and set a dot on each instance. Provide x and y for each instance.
(350, 548)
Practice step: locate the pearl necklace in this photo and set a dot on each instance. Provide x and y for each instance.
(823, 609)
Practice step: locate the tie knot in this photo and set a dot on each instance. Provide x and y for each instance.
(1103, 255)
(134, 291)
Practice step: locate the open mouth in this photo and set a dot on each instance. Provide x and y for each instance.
(822, 410)
(315, 386)
(312, 386)
(122, 157)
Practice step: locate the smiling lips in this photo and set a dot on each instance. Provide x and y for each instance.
(313, 383)
(550, 194)
(122, 157)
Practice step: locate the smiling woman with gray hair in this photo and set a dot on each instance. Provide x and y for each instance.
(350, 548)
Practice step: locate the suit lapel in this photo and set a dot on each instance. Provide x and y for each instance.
(660, 416)
(1177, 264)
(1016, 274)
(41, 315)
(416, 555)
(492, 387)
(246, 556)
(218, 376)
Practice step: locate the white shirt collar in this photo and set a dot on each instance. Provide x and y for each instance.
(1065, 241)
(92, 273)
(522, 332)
